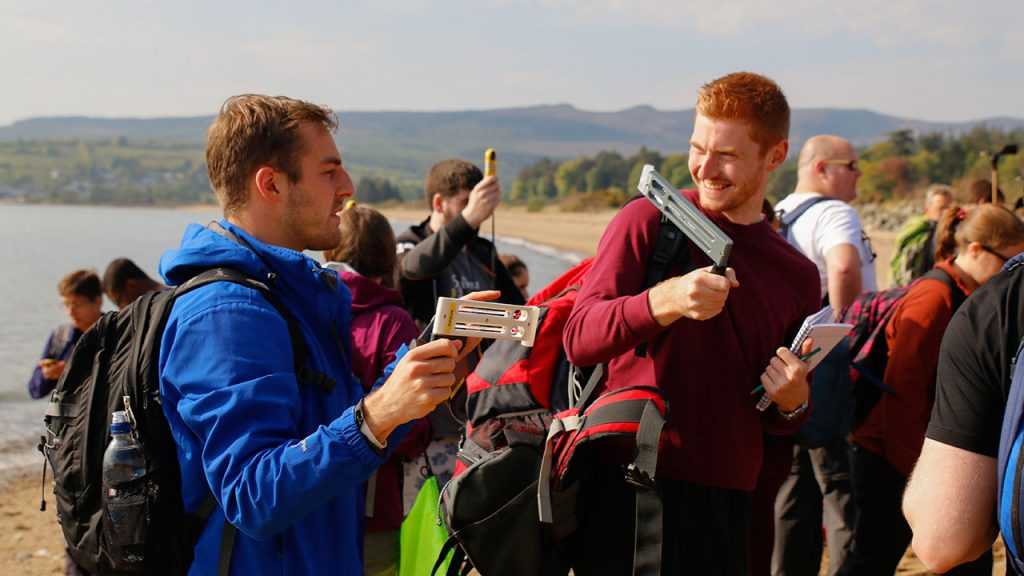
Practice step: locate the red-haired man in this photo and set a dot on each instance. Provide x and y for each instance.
(710, 340)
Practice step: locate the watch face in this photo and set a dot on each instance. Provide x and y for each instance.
(357, 412)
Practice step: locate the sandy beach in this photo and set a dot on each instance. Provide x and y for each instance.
(32, 543)
(580, 232)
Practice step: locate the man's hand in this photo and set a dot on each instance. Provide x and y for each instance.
(422, 379)
(699, 295)
(51, 369)
(785, 378)
(483, 199)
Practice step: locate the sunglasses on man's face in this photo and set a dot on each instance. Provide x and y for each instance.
(850, 164)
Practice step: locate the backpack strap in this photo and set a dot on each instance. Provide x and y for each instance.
(649, 522)
(300, 351)
(227, 539)
(565, 422)
(1010, 471)
(955, 292)
(672, 246)
(227, 545)
(639, 412)
(671, 242)
(786, 219)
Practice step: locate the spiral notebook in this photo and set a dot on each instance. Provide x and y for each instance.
(824, 332)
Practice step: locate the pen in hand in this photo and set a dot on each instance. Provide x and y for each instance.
(803, 358)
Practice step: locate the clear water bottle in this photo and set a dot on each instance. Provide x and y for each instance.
(126, 505)
(123, 461)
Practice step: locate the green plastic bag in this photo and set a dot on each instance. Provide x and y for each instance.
(423, 536)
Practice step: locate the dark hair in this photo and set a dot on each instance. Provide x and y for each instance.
(253, 131)
(748, 97)
(768, 211)
(990, 225)
(513, 264)
(119, 272)
(81, 283)
(980, 192)
(448, 177)
(367, 243)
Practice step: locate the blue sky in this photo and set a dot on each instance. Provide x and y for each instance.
(939, 60)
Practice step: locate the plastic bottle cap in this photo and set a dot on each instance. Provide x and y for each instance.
(119, 423)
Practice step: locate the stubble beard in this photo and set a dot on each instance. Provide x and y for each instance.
(312, 234)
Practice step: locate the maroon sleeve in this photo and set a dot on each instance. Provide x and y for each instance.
(397, 328)
(610, 316)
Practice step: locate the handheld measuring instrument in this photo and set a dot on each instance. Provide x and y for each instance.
(686, 217)
(476, 319)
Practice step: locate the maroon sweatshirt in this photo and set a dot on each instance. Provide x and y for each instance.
(705, 368)
(379, 328)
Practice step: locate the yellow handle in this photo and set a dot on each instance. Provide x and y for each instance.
(490, 162)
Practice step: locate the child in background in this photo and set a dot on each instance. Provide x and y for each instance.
(518, 271)
(82, 297)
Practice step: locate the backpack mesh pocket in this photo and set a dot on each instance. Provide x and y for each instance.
(127, 518)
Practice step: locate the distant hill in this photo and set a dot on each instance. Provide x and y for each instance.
(402, 145)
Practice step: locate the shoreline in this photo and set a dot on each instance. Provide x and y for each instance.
(579, 232)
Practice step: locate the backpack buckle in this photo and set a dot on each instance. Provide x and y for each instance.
(637, 477)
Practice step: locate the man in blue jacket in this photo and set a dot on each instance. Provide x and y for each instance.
(285, 462)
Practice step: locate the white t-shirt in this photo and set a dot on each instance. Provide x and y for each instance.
(824, 226)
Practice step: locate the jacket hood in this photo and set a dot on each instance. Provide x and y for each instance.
(203, 248)
(367, 294)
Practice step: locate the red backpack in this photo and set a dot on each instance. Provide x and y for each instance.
(531, 432)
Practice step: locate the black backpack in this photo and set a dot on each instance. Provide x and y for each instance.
(115, 366)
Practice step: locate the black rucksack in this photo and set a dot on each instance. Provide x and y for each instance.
(115, 366)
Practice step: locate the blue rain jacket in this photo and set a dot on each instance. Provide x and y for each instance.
(285, 462)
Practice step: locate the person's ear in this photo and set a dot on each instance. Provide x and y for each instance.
(777, 155)
(268, 183)
(974, 250)
(437, 203)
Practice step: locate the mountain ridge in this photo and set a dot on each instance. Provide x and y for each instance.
(403, 144)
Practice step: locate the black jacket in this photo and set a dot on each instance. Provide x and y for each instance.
(424, 256)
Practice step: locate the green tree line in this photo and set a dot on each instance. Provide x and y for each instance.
(119, 171)
(896, 168)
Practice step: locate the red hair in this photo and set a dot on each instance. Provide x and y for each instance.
(751, 98)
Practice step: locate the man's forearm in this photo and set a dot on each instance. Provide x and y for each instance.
(950, 505)
(842, 264)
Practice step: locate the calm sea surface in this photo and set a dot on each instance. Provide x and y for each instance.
(39, 244)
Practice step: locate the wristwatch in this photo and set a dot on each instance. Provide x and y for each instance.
(364, 428)
(793, 413)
